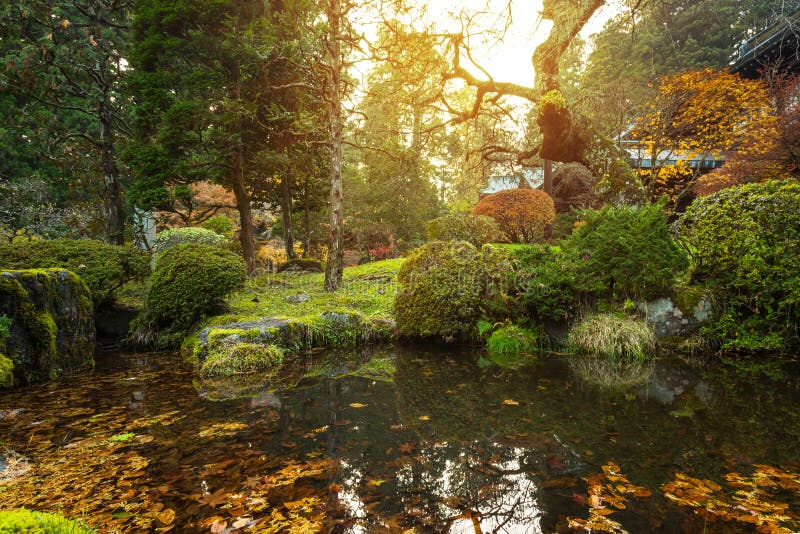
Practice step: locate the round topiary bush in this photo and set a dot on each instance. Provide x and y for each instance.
(440, 291)
(745, 243)
(190, 281)
(613, 337)
(476, 229)
(181, 236)
(103, 267)
(522, 214)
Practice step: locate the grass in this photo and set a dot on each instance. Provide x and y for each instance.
(613, 337)
(368, 289)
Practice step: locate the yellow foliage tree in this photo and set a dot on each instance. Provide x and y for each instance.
(702, 114)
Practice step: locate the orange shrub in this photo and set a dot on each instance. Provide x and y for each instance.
(522, 214)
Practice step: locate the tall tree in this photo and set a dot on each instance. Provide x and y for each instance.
(204, 112)
(68, 57)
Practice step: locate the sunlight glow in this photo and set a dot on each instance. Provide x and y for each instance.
(504, 52)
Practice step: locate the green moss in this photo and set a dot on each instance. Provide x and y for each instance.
(188, 283)
(103, 267)
(688, 298)
(441, 289)
(40, 300)
(241, 357)
(30, 522)
(6, 372)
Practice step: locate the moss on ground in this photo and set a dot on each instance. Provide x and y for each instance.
(368, 289)
(261, 316)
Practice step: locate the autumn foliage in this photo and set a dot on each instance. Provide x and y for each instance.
(702, 114)
(522, 214)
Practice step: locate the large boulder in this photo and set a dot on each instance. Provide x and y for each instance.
(49, 323)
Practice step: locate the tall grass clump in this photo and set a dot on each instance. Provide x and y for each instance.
(611, 351)
(613, 337)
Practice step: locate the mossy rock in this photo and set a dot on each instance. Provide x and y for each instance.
(30, 522)
(52, 323)
(241, 357)
(329, 329)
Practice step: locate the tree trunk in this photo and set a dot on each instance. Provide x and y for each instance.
(112, 192)
(238, 184)
(335, 264)
(306, 219)
(547, 186)
(286, 212)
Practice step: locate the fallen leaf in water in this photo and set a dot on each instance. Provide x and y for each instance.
(510, 402)
(357, 405)
(219, 527)
(166, 517)
(424, 418)
(214, 499)
(375, 482)
(241, 522)
(406, 448)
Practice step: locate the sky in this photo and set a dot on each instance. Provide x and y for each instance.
(509, 60)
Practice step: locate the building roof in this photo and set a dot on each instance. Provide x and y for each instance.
(527, 178)
(777, 42)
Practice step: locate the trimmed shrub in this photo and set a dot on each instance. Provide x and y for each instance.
(475, 229)
(546, 280)
(190, 281)
(522, 214)
(745, 243)
(181, 236)
(441, 286)
(29, 522)
(103, 267)
(613, 337)
(219, 224)
(625, 252)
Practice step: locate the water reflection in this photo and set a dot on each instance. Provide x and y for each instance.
(445, 447)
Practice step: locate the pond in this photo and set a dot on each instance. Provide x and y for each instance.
(440, 445)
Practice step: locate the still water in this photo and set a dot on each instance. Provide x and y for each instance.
(434, 444)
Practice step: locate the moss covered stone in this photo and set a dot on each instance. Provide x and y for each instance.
(51, 323)
(328, 329)
(105, 268)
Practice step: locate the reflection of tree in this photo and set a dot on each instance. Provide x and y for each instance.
(452, 487)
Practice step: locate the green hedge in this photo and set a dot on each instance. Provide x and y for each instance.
(625, 252)
(167, 239)
(475, 229)
(103, 267)
(745, 243)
